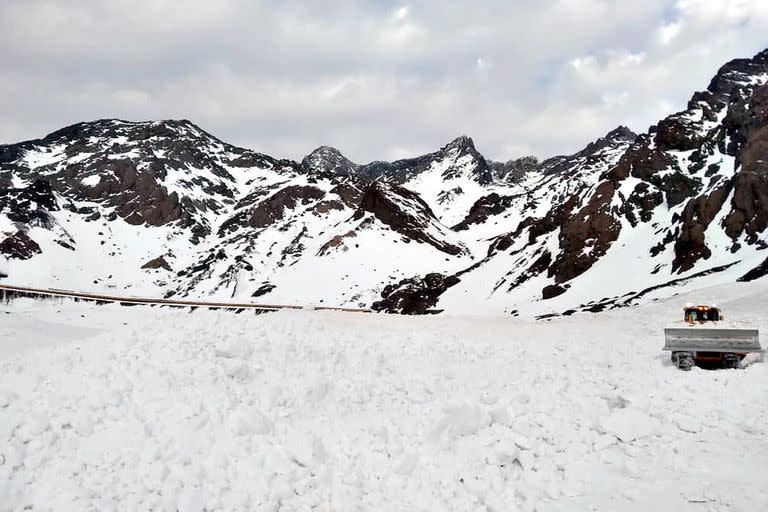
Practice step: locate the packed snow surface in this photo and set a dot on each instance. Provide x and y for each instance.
(113, 408)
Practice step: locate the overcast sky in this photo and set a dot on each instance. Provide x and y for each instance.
(376, 79)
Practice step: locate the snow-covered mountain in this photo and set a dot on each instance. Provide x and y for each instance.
(164, 208)
(630, 217)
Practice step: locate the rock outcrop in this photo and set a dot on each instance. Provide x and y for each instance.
(415, 296)
(406, 213)
(19, 246)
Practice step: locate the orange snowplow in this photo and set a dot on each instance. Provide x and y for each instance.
(706, 340)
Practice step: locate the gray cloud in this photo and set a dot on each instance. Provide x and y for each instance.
(376, 79)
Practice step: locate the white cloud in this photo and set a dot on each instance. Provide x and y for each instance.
(374, 79)
(668, 32)
(727, 11)
(579, 63)
(482, 65)
(615, 99)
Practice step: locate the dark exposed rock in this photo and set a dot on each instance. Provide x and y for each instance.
(586, 233)
(756, 273)
(678, 188)
(263, 289)
(294, 249)
(551, 291)
(273, 208)
(457, 150)
(586, 236)
(730, 77)
(30, 205)
(537, 227)
(690, 245)
(349, 193)
(241, 262)
(643, 200)
(19, 246)
(514, 171)
(234, 223)
(414, 296)
(140, 198)
(749, 207)
(540, 264)
(486, 206)
(335, 242)
(747, 124)
(328, 205)
(502, 242)
(641, 161)
(255, 195)
(405, 212)
(156, 263)
(12, 152)
(253, 159)
(446, 196)
(754, 155)
(672, 134)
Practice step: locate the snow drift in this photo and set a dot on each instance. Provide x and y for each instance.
(110, 408)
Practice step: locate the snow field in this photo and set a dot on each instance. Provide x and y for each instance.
(162, 409)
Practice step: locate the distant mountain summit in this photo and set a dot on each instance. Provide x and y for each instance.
(165, 208)
(328, 160)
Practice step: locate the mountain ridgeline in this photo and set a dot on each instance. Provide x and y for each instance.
(165, 208)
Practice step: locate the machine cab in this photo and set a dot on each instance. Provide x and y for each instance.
(702, 313)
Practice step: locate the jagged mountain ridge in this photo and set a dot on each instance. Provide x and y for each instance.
(685, 201)
(326, 159)
(166, 208)
(183, 213)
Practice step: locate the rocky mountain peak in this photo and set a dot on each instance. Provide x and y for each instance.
(621, 132)
(462, 144)
(618, 135)
(737, 73)
(514, 171)
(326, 159)
(465, 160)
(593, 155)
(133, 130)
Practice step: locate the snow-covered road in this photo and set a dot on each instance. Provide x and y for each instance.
(114, 408)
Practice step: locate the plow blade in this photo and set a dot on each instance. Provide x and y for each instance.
(694, 339)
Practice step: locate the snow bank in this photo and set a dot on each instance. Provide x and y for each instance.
(159, 409)
(91, 181)
(629, 424)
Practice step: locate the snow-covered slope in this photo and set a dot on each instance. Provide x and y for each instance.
(630, 217)
(113, 408)
(164, 208)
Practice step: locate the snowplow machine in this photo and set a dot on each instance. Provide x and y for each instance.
(704, 339)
